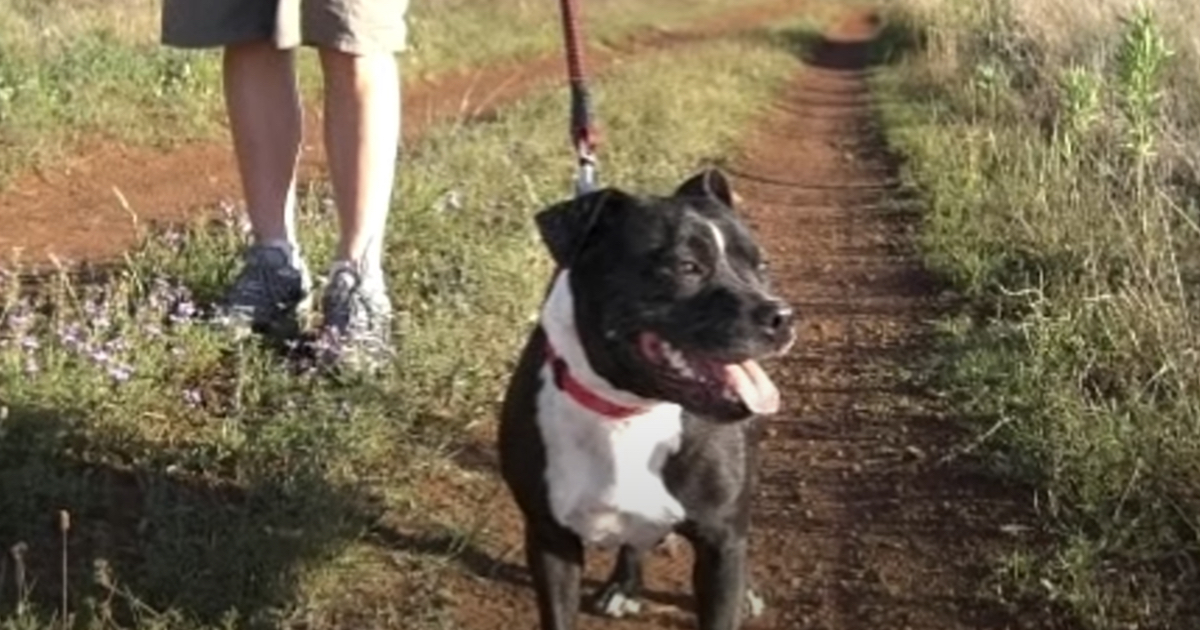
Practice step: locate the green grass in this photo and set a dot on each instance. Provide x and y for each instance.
(211, 486)
(76, 71)
(1061, 194)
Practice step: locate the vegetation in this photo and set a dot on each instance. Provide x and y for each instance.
(80, 71)
(1056, 145)
(216, 483)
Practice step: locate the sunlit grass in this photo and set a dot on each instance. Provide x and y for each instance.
(215, 484)
(1054, 142)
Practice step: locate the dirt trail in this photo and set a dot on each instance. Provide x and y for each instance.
(76, 212)
(861, 522)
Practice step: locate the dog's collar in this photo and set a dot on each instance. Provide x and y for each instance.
(566, 382)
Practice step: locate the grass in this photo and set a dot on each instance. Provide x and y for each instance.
(76, 71)
(212, 483)
(1054, 143)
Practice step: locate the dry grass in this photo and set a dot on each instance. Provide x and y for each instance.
(94, 68)
(1057, 144)
(45, 24)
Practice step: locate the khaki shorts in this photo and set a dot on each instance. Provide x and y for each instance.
(352, 26)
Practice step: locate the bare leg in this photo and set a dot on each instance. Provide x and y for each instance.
(271, 290)
(265, 119)
(362, 133)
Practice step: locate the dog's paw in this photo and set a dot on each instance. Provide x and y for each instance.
(613, 602)
(671, 546)
(753, 605)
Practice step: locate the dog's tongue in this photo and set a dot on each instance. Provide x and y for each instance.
(753, 386)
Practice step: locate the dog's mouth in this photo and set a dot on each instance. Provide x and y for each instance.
(708, 384)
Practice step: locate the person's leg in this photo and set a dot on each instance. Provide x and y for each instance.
(362, 132)
(265, 120)
(356, 41)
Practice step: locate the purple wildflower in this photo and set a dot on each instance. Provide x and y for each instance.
(71, 336)
(100, 355)
(120, 372)
(172, 238)
(159, 295)
(184, 311)
(96, 312)
(92, 308)
(30, 343)
(19, 319)
(193, 397)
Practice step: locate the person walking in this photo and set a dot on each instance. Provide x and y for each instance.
(356, 41)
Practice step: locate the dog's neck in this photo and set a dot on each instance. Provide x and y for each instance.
(603, 474)
(580, 381)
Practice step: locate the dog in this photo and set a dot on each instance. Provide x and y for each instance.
(629, 414)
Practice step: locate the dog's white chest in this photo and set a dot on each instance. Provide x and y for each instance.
(604, 475)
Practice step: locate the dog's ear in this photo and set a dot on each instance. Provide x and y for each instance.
(710, 183)
(566, 226)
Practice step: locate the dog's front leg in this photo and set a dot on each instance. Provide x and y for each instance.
(618, 597)
(555, 558)
(719, 578)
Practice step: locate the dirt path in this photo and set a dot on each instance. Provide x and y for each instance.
(862, 521)
(84, 209)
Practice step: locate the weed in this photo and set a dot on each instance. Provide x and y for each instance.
(1042, 135)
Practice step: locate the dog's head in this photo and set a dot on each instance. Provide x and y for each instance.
(671, 297)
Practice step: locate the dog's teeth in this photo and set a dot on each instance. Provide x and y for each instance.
(674, 357)
(678, 362)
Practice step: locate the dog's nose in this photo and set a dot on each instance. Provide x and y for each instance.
(775, 317)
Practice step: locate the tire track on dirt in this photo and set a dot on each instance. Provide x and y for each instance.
(75, 211)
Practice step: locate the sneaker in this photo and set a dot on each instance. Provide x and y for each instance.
(357, 329)
(270, 294)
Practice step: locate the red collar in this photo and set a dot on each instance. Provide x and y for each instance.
(566, 382)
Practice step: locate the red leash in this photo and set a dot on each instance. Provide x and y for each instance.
(583, 135)
(583, 140)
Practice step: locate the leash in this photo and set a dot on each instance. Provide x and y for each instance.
(583, 135)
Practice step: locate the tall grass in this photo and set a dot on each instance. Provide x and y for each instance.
(1057, 144)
